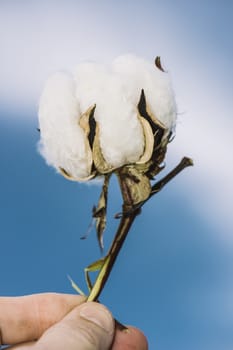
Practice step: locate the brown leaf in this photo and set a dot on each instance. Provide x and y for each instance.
(100, 163)
(158, 64)
(100, 212)
(135, 186)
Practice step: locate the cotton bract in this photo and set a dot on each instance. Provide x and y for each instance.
(104, 117)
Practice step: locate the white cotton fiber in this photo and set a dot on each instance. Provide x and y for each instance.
(62, 140)
(121, 135)
(115, 89)
(139, 74)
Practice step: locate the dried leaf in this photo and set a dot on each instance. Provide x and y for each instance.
(160, 132)
(145, 112)
(88, 126)
(66, 174)
(99, 213)
(69, 177)
(92, 127)
(100, 163)
(158, 64)
(135, 186)
(75, 286)
(90, 226)
(148, 141)
(95, 266)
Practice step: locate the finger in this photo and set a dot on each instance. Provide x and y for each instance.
(26, 318)
(23, 346)
(130, 339)
(87, 327)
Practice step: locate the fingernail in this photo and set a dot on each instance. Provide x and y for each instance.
(98, 315)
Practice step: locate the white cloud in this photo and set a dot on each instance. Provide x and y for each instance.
(205, 133)
(36, 42)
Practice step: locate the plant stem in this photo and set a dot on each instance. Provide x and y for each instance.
(126, 222)
(121, 234)
(184, 163)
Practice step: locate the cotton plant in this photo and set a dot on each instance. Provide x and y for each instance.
(102, 120)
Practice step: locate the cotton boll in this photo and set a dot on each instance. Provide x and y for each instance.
(138, 74)
(90, 122)
(63, 142)
(121, 135)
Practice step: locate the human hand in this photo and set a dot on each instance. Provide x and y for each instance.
(52, 321)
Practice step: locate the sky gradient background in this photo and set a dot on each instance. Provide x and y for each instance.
(173, 278)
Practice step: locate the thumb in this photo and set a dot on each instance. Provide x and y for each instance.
(89, 326)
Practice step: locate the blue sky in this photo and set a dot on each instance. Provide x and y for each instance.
(173, 277)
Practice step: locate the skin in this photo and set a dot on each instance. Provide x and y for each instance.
(52, 321)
